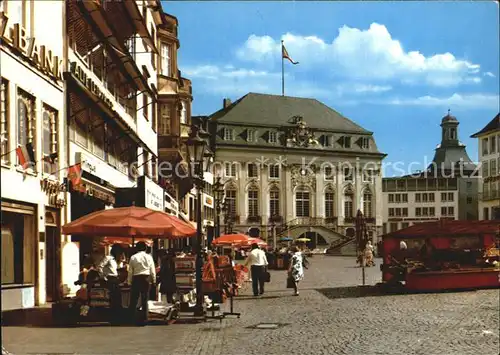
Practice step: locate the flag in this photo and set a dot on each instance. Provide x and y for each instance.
(75, 174)
(285, 55)
(26, 155)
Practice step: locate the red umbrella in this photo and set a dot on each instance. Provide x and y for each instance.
(231, 239)
(130, 222)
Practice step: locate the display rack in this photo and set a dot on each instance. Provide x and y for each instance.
(185, 269)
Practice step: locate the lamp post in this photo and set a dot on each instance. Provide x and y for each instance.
(198, 159)
(219, 196)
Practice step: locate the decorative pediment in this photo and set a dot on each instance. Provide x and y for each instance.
(230, 185)
(349, 190)
(300, 135)
(304, 175)
(329, 187)
(252, 185)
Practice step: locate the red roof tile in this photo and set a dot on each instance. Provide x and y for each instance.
(447, 227)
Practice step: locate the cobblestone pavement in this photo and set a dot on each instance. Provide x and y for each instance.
(327, 318)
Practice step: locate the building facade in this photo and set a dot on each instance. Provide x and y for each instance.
(446, 190)
(489, 158)
(81, 88)
(295, 167)
(34, 198)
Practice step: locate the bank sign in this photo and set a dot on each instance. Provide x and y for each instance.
(18, 38)
(154, 196)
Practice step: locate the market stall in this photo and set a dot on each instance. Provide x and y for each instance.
(92, 301)
(443, 255)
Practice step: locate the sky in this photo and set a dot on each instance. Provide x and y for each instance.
(395, 68)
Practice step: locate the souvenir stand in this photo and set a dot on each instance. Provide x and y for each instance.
(92, 300)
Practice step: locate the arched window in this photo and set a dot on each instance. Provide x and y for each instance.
(302, 203)
(367, 204)
(274, 201)
(329, 204)
(348, 206)
(253, 202)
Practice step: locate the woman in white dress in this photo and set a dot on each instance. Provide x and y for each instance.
(296, 269)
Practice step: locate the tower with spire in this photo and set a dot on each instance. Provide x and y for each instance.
(451, 154)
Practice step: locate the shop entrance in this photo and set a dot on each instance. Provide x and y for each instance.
(53, 263)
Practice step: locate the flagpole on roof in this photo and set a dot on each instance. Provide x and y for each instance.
(282, 70)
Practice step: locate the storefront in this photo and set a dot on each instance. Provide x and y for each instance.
(19, 255)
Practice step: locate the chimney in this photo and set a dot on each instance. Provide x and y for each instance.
(226, 103)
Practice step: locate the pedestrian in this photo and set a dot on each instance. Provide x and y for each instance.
(167, 276)
(108, 270)
(258, 261)
(296, 268)
(369, 254)
(141, 275)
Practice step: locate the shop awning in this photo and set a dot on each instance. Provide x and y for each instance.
(139, 23)
(98, 16)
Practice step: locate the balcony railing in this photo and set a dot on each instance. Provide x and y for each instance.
(276, 219)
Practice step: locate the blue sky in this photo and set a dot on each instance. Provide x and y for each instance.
(393, 67)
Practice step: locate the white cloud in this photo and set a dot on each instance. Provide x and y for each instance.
(490, 74)
(364, 54)
(488, 101)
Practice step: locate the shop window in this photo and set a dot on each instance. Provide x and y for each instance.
(18, 248)
(329, 204)
(4, 121)
(274, 201)
(26, 120)
(253, 202)
(49, 139)
(302, 204)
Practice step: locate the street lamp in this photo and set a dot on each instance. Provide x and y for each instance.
(219, 196)
(198, 158)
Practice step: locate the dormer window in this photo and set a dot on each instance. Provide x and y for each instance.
(345, 142)
(273, 137)
(250, 135)
(328, 141)
(228, 134)
(365, 143)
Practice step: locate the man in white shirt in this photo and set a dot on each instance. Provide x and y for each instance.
(108, 270)
(141, 274)
(258, 261)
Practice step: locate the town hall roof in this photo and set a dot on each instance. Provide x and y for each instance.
(492, 126)
(276, 110)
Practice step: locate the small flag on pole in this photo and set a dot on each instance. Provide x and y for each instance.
(75, 174)
(285, 55)
(26, 155)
